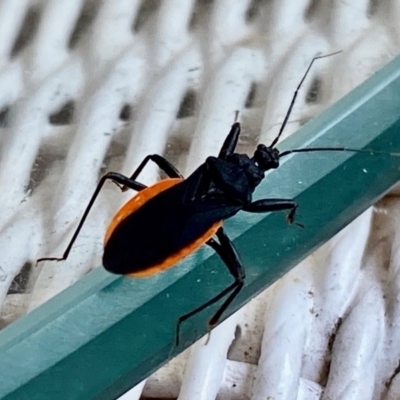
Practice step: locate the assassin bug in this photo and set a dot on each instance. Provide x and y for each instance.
(188, 213)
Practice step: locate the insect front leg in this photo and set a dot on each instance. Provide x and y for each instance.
(116, 178)
(230, 142)
(230, 257)
(270, 205)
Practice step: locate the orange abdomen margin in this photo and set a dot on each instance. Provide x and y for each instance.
(134, 204)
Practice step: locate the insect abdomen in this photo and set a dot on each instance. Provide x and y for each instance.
(148, 236)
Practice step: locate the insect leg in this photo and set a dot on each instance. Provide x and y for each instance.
(232, 260)
(161, 162)
(230, 142)
(270, 205)
(230, 257)
(113, 176)
(202, 184)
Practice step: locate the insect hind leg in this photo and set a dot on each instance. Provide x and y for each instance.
(226, 250)
(117, 178)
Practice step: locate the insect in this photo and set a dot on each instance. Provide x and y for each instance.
(165, 222)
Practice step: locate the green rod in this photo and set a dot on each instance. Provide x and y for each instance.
(106, 333)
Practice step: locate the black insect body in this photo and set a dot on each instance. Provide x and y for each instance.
(178, 216)
(165, 222)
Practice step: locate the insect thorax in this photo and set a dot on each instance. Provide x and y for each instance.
(236, 177)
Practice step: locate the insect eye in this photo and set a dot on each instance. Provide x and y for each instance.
(262, 147)
(266, 157)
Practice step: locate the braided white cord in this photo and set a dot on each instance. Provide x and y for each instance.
(151, 68)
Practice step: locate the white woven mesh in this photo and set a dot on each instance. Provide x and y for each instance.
(122, 68)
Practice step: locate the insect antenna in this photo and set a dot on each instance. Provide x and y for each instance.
(289, 111)
(314, 149)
